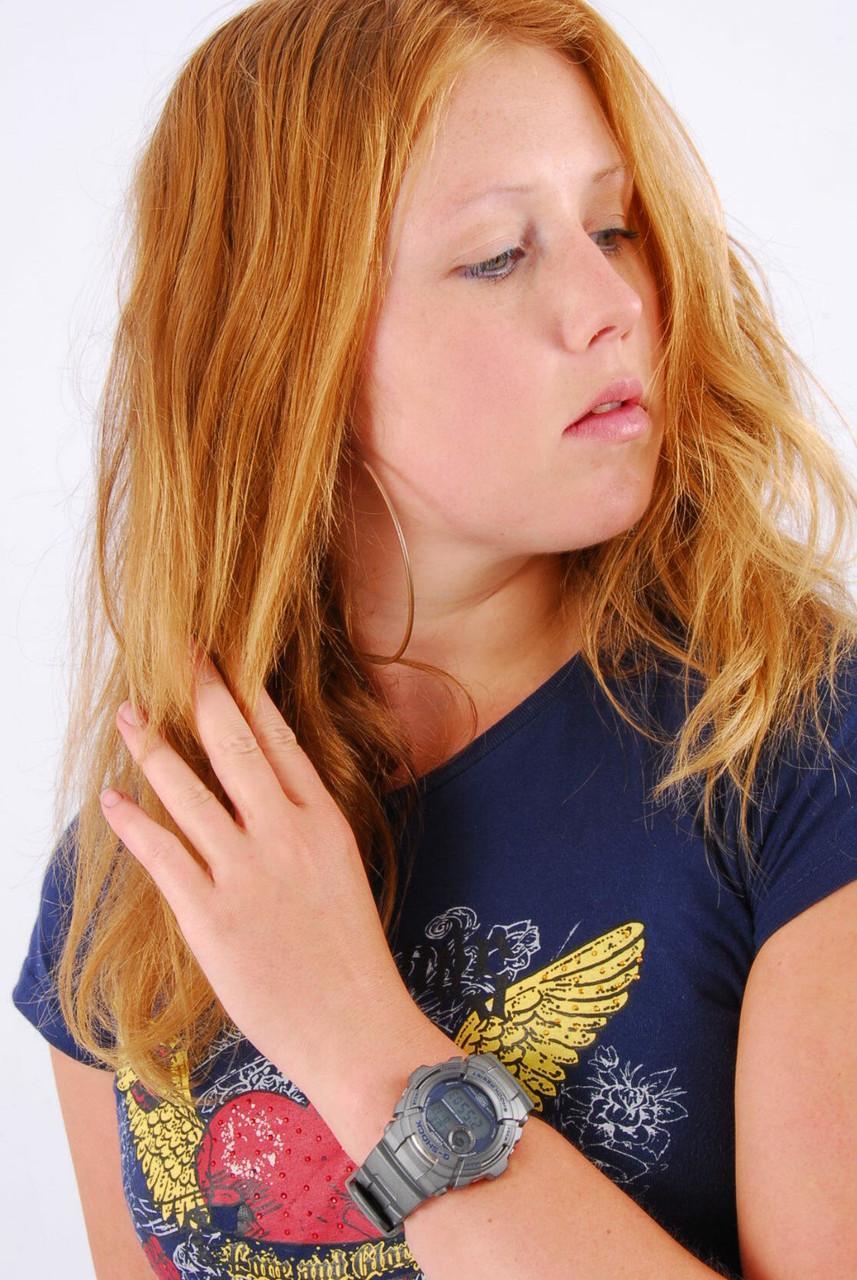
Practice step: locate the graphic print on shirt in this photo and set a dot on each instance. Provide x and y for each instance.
(248, 1180)
(619, 1117)
(249, 1159)
(537, 1024)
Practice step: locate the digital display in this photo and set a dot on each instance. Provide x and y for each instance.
(440, 1119)
(456, 1108)
(462, 1105)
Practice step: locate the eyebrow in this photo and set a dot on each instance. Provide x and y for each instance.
(524, 187)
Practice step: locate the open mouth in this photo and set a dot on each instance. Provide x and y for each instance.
(614, 420)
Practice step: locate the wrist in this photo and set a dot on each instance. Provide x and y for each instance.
(377, 1076)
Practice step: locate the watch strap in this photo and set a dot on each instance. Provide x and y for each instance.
(385, 1190)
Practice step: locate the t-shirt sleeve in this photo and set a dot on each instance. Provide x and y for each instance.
(34, 994)
(808, 827)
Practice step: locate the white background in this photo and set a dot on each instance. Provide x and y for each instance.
(766, 91)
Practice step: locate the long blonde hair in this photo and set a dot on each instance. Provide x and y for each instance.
(260, 207)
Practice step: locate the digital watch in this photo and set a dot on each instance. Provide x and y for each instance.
(456, 1122)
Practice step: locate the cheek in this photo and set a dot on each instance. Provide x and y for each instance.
(457, 397)
(486, 393)
(467, 378)
(652, 319)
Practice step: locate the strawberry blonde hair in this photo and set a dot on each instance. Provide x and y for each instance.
(258, 212)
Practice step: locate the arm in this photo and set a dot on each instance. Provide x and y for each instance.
(89, 1112)
(795, 1085)
(555, 1215)
(552, 1213)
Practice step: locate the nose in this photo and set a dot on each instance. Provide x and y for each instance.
(597, 298)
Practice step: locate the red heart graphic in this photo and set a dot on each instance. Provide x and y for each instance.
(281, 1164)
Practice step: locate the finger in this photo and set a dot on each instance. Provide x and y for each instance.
(295, 772)
(194, 808)
(236, 755)
(184, 884)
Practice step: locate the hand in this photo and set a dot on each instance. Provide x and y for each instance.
(283, 924)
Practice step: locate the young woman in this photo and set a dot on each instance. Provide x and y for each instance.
(492, 712)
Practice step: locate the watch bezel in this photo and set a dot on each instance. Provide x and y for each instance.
(411, 1125)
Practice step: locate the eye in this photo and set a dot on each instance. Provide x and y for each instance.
(483, 270)
(486, 270)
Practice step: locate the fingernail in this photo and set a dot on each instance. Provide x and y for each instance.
(110, 797)
(128, 714)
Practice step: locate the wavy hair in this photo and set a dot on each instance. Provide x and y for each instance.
(259, 210)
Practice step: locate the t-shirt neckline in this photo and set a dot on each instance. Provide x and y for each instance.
(485, 742)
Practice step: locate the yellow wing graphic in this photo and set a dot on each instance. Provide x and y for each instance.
(552, 1013)
(166, 1139)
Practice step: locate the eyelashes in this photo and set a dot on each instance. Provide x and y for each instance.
(483, 270)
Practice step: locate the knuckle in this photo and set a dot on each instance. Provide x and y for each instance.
(162, 848)
(238, 742)
(282, 737)
(195, 795)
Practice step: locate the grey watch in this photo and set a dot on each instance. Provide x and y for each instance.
(456, 1122)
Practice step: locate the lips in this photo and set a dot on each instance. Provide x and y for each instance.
(623, 389)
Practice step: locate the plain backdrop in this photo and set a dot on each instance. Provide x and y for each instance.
(767, 92)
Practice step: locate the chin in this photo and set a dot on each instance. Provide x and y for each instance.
(605, 528)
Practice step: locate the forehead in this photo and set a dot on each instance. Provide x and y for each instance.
(522, 120)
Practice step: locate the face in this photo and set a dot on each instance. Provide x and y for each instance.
(470, 382)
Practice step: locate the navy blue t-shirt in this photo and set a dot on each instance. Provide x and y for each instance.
(554, 916)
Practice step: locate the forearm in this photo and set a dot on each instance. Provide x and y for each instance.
(552, 1213)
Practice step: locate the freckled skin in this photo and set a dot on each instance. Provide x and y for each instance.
(468, 385)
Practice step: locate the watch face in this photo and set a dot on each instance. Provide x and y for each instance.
(462, 1115)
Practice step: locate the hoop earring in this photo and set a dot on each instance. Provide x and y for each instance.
(374, 657)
